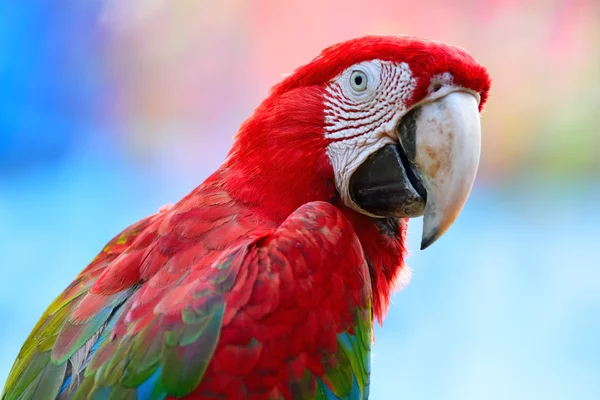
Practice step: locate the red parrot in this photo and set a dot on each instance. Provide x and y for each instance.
(265, 280)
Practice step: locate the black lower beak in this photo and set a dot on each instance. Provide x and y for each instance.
(382, 185)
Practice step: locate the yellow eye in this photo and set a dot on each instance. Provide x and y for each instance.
(358, 81)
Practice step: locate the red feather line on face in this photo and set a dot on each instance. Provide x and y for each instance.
(347, 114)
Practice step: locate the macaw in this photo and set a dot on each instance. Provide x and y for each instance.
(264, 282)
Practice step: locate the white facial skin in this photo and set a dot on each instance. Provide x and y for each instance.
(363, 107)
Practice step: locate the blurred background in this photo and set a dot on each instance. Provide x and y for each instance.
(109, 109)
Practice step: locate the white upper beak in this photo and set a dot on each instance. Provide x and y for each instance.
(448, 145)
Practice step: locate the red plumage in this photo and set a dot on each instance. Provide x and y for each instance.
(265, 245)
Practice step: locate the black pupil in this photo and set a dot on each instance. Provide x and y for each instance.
(358, 80)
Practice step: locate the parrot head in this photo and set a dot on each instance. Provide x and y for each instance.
(390, 126)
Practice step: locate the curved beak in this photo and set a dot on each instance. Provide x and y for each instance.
(442, 141)
(431, 172)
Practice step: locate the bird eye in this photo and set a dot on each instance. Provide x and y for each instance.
(358, 81)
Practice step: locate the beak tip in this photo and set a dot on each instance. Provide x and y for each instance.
(428, 238)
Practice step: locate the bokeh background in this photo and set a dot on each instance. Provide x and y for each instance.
(109, 109)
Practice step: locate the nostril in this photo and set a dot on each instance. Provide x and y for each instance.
(436, 86)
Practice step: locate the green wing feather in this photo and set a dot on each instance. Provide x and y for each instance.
(350, 377)
(169, 356)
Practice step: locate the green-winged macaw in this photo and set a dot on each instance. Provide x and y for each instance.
(265, 280)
